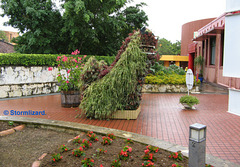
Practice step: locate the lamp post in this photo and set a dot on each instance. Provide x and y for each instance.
(197, 145)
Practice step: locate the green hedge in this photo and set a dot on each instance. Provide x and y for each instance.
(163, 79)
(18, 59)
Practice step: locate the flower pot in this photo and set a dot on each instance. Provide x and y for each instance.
(186, 106)
(201, 79)
(70, 98)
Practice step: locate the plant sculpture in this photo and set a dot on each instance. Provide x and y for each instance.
(119, 86)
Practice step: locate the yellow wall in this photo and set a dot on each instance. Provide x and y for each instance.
(173, 58)
(168, 58)
(10, 35)
(166, 63)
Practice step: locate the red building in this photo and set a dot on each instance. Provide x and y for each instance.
(208, 41)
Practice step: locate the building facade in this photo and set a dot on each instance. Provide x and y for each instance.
(209, 43)
(10, 35)
(188, 30)
(181, 61)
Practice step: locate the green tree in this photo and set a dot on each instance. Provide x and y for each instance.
(177, 48)
(39, 23)
(3, 36)
(166, 47)
(92, 26)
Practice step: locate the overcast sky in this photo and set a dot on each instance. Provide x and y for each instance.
(166, 17)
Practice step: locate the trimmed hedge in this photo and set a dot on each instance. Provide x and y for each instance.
(163, 79)
(18, 59)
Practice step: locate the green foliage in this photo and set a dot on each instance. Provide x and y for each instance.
(73, 67)
(198, 62)
(190, 100)
(93, 27)
(10, 123)
(18, 59)
(3, 36)
(109, 94)
(39, 22)
(90, 73)
(169, 48)
(162, 78)
(177, 69)
(158, 68)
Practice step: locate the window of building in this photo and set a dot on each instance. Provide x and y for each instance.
(203, 48)
(206, 52)
(213, 50)
(222, 49)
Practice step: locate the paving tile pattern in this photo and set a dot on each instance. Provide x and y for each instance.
(161, 117)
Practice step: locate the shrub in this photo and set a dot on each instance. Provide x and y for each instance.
(172, 69)
(90, 73)
(162, 79)
(190, 100)
(18, 59)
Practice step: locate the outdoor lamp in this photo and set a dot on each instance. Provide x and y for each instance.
(197, 132)
(197, 145)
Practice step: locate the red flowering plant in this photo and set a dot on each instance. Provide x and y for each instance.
(106, 140)
(176, 165)
(116, 163)
(148, 163)
(100, 151)
(176, 156)
(129, 141)
(87, 162)
(92, 136)
(111, 135)
(85, 143)
(77, 139)
(78, 152)
(64, 148)
(208, 165)
(124, 154)
(148, 156)
(152, 149)
(56, 157)
(70, 69)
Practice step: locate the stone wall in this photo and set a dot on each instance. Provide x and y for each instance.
(149, 88)
(26, 81)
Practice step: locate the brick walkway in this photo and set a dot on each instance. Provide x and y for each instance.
(161, 117)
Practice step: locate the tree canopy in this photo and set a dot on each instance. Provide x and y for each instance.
(92, 26)
(166, 47)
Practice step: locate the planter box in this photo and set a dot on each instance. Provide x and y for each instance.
(126, 114)
(70, 99)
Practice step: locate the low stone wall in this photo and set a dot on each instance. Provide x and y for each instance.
(25, 81)
(21, 75)
(27, 89)
(150, 88)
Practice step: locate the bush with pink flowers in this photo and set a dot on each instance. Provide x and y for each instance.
(69, 71)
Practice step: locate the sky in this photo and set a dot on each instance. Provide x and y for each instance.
(166, 17)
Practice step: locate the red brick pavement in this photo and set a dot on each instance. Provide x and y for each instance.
(161, 117)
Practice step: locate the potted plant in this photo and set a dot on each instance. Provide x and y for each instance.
(69, 72)
(198, 62)
(188, 101)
